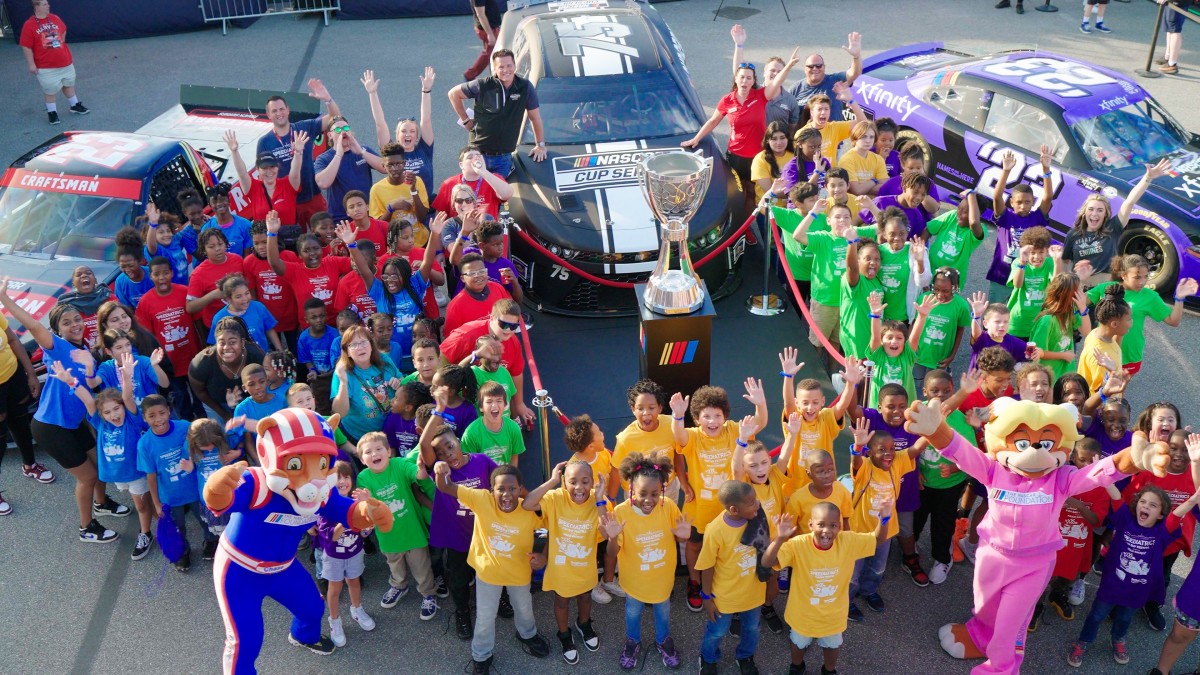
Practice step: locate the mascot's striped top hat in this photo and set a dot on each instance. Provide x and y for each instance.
(294, 431)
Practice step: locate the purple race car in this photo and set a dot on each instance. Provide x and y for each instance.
(967, 111)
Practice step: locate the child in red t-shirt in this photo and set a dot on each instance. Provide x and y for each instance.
(163, 311)
(204, 298)
(269, 287)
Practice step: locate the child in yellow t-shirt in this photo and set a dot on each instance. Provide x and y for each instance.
(705, 460)
(876, 481)
(731, 587)
(585, 440)
(642, 533)
(572, 522)
(502, 556)
(649, 434)
(823, 486)
(822, 562)
(819, 426)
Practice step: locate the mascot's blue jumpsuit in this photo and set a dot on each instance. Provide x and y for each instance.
(256, 559)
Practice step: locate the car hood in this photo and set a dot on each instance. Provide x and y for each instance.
(589, 196)
(36, 285)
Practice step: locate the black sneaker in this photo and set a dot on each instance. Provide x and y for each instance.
(505, 610)
(482, 667)
(747, 667)
(210, 550)
(587, 635)
(796, 669)
(535, 646)
(110, 508)
(1154, 616)
(53, 118)
(772, 618)
(80, 109)
(463, 627)
(1036, 620)
(95, 533)
(1060, 604)
(569, 652)
(855, 615)
(735, 628)
(323, 646)
(826, 671)
(443, 591)
(1003, 4)
(707, 668)
(142, 547)
(1020, 8)
(875, 602)
(185, 563)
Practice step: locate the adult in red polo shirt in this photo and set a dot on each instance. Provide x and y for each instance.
(501, 324)
(267, 192)
(477, 296)
(44, 41)
(489, 188)
(270, 287)
(314, 276)
(746, 107)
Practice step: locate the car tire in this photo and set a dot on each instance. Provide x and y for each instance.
(907, 136)
(1157, 248)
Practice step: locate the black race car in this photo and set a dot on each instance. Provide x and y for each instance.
(612, 88)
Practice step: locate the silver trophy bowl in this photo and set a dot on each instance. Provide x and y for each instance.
(674, 184)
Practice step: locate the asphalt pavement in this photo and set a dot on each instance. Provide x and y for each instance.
(70, 607)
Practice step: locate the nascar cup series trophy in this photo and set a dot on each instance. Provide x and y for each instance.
(675, 309)
(674, 184)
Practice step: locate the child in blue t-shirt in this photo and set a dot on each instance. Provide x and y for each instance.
(314, 349)
(259, 403)
(148, 375)
(280, 367)
(240, 303)
(114, 416)
(381, 326)
(1014, 217)
(209, 449)
(170, 472)
(134, 280)
(161, 241)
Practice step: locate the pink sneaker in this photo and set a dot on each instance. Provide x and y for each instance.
(38, 472)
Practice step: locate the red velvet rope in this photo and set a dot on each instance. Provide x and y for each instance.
(812, 326)
(622, 284)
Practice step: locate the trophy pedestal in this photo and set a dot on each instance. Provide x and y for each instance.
(676, 349)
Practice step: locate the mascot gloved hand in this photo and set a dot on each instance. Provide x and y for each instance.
(271, 507)
(1027, 476)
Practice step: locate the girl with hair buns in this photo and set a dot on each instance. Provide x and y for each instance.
(1102, 350)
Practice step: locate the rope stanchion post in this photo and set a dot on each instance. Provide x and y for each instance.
(1046, 7)
(767, 304)
(812, 325)
(542, 404)
(868, 374)
(1149, 71)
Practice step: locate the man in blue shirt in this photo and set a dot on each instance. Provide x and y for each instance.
(279, 143)
(344, 167)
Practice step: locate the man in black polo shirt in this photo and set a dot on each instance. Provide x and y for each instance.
(501, 102)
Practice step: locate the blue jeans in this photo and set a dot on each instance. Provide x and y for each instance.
(633, 619)
(499, 164)
(183, 401)
(715, 631)
(1121, 620)
(868, 572)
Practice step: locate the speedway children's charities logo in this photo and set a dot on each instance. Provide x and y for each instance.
(604, 170)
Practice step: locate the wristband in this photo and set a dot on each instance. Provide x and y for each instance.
(426, 91)
(851, 242)
(602, 503)
(1103, 398)
(445, 416)
(153, 225)
(1020, 266)
(853, 452)
(1045, 175)
(1081, 313)
(677, 419)
(707, 596)
(975, 317)
(740, 444)
(1178, 299)
(884, 520)
(462, 238)
(739, 46)
(875, 316)
(785, 374)
(353, 244)
(875, 181)
(272, 234)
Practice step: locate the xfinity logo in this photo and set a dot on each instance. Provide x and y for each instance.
(1114, 103)
(875, 93)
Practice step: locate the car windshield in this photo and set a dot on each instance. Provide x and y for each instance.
(613, 107)
(1134, 135)
(48, 224)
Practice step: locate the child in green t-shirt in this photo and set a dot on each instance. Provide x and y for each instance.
(1064, 311)
(903, 265)
(495, 434)
(858, 282)
(1030, 277)
(942, 316)
(942, 483)
(956, 234)
(393, 480)
(801, 199)
(486, 363)
(891, 352)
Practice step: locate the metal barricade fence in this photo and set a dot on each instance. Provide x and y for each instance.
(228, 10)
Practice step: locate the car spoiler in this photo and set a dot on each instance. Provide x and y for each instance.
(194, 97)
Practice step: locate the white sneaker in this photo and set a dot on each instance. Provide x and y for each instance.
(600, 595)
(612, 587)
(5, 507)
(363, 619)
(1078, 591)
(336, 633)
(968, 549)
(937, 573)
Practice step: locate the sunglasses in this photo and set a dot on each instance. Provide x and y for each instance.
(814, 66)
(406, 119)
(749, 66)
(464, 200)
(341, 130)
(507, 325)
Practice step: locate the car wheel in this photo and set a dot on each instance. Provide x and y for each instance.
(1159, 251)
(907, 136)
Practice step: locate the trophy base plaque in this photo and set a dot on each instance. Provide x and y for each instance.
(676, 349)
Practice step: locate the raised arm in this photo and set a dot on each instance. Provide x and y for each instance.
(1007, 164)
(40, 333)
(1018, 270)
(1044, 158)
(277, 264)
(1185, 289)
(979, 303)
(853, 376)
(771, 89)
(739, 43)
(791, 441)
(299, 141)
(923, 308)
(1152, 171)
(853, 47)
(785, 528)
(973, 219)
(441, 478)
(852, 271)
(427, 81)
(789, 365)
(59, 372)
(383, 135)
(876, 305)
(160, 375)
(346, 231)
(801, 232)
(428, 260)
(679, 407)
(126, 373)
(152, 216)
(239, 164)
(533, 500)
(755, 394)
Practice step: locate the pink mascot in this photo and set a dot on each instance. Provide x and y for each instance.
(1027, 476)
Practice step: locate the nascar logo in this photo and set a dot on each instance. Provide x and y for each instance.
(575, 173)
(676, 353)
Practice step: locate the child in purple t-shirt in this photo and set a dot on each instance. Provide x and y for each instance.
(1133, 565)
(1013, 218)
(989, 328)
(342, 551)
(451, 524)
(400, 425)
